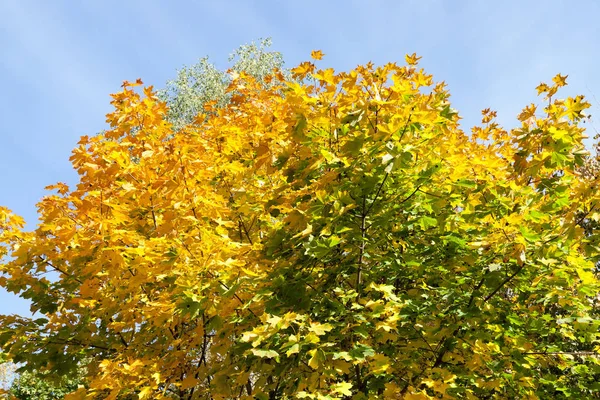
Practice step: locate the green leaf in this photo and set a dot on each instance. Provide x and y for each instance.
(300, 127)
(361, 351)
(426, 222)
(343, 355)
(265, 353)
(466, 183)
(448, 112)
(531, 237)
(294, 349)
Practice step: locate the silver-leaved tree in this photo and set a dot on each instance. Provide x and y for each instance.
(204, 82)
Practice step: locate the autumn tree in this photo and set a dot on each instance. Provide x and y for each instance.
(195, 86)
(332, 236)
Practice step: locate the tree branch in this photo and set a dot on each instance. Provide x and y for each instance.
(504, 282)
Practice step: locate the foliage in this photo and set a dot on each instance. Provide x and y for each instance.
(194, 87)
(43, 386)
(329, 237)
(7, 374)
(203, 83)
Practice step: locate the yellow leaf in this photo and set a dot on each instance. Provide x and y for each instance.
(316, 54)
(316, 358)
(542, 88)
(301, 71)
(147, 154)
(293, 350)
(587, 277)
(412, 59)
(145, 393)
(273, 320)
(127, 84)
(420, 395)
(307, 231)
(380, 364)
(343, 388)
(560, 80)
(189, 381)
(79, 394)
(319, 329)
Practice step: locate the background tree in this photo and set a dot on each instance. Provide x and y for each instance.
(333, 236)
(43, 386)
(7, 374)
(203, 82)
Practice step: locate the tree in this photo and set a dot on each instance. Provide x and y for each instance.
(203, 82)
(43, 386)
(332, 236)
(194, 86)
(7, 374)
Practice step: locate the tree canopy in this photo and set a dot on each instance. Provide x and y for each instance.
(185, 96)
(329, 236)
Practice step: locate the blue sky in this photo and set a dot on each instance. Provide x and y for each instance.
(60, 60)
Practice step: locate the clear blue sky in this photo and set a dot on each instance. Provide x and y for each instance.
(60, 60)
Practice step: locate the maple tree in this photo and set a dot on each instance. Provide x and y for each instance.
(186, 95)
(332, 236)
